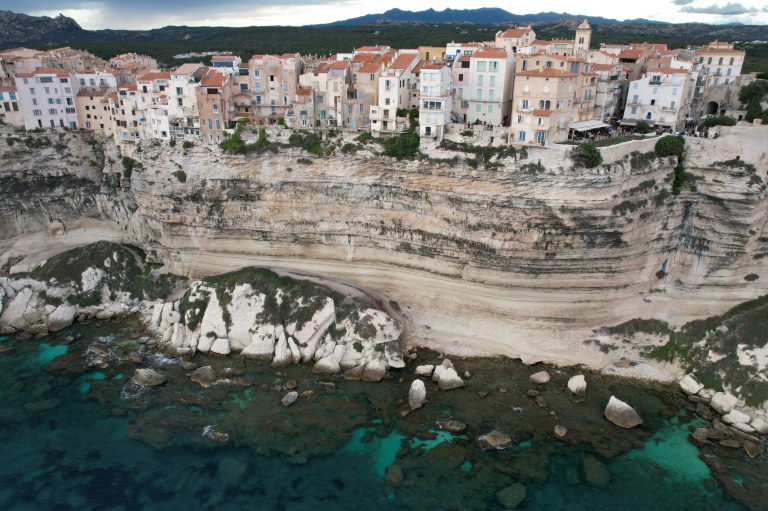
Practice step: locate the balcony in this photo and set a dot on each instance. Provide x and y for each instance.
(258, 90)
(668, 109)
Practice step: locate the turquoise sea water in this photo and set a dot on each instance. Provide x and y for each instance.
(79, 435)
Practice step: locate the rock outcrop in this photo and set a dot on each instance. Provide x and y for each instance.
(578, 385)
(417, 394)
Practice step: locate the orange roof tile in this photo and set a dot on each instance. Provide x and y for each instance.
(668, 71)
(370, 68)
(404, 60)
(188, 68)
(302, 91)
(603, 67)
(631, 54)
(340, 64)
(45, 71)
(154, 75)
(719, 50)
(214, 79)
(515, 33)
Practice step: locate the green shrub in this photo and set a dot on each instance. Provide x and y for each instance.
(718, 120)
(402, 146)
(350, 148)
(467, 133)
(679, 176)
(181, 176)
(670, 145)
(586, 155)
(304, 161)
(365, 137)
(129, 164)
(188, 145)
(642, 127)
(752, 277)
(172, 143)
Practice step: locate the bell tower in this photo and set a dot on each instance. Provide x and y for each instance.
(583, 38)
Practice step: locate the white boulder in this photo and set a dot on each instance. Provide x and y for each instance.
(621, 414)
(425, 371)
(690, 385)
(578, 385)
(61, 317)
(736, 417)
(723, 402)
(417, 394)
(540, 377)
(262, 344)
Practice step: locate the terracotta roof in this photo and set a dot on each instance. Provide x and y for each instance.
(341, 64)
(631, 54)
(154, 75)
(515, 33)
(45, 71)
(370, 68)
(648, 46)
(404, 60)
(113, 96)
(543, 113)
(188, 68)
(128, 87)
(7, 88)
(471, 45)
(489, 54)
(603, 67)
(214, 79)
(364, 58)
(302, 91)
(549, 72)
(322, 68)
(371, 48)
(224, 57)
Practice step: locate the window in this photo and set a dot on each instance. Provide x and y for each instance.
(490, 95)
(480, 80)
(478, 108)
(490, 109)
(285, 100)
(319, 98)
(492, 81)
(349, 110)
(64, 80)
(720, 61)
(303, 113)
(709, 60)
(69, 101)
(524, 104)
(559, 104)
(218, 124)
(541, 137)
(465, 104)
(521, 136)
(257, 74)
(728, 73)
(37, 113)
(731, 62)
(672, 105)
(634, 110)
(67, 90)
(674, 91)
(362, 109)
(479, 94)
(179, 102)
(519, 119)
(459, 93)
(50, 101)
(46, 79)
(271, 78)
(285, 86)
(179, 91)
(481, 66)
(541, 104)
(215, 109)
(372, 77)
(716, 80)
(31, 90)
(52, 111)
(34, 101)
(540, 121)
(210, 124)
(71, 111)
(493, 66)
(634, 85)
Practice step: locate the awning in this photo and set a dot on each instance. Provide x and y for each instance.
(587, 125)
(629, 122)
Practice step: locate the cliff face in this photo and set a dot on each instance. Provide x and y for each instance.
(504, 261)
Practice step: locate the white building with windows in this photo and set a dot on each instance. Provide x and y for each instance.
(661, 97)
(182, 99)
(435, 102)
(47, 98)
(102, 78)
(489, 89)
(395, 86)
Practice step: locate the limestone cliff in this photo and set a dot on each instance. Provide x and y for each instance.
(515, 260)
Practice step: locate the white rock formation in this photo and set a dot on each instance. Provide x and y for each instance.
(723, 402)
(417, 394)
(690, 385)
(446, 376)
(61, 317)
(310, 333)
(578, 385)
(262, 344)
(736, 417)
(621, 414)
(425, 370)
(540, 377)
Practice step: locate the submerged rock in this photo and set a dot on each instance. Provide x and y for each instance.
(495, 440)
(511, 496)
(621, 414)
(540, 377)
(560, 431)
(753, 450)
(453, 426)
(289, 399)
(394, 475)
(417, 394)
(595, 472)
(578, 385)
(148, 378)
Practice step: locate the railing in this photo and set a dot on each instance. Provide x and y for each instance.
(258, 90)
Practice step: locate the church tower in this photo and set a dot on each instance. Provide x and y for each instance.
(583, 38)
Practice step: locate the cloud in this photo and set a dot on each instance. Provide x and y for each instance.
(729, 9)
(682, 2)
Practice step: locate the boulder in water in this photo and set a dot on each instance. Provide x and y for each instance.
(595, 472)
(289, 398)
(621, 414)
(394, 475)
(62, 317)
(417, 394)
(723, 402)
(204, 376)
(374, 370)
(496, 440)
(540, 377)
(148, 378)
(511, 496)
(560, 431)
(578, 385)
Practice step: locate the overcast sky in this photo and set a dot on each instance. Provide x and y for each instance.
(146, 14)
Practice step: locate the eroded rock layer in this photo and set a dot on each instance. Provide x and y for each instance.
(512, 260)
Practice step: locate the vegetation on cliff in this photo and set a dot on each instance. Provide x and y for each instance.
(723, 351)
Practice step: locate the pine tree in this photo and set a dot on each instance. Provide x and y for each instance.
(754, 111)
